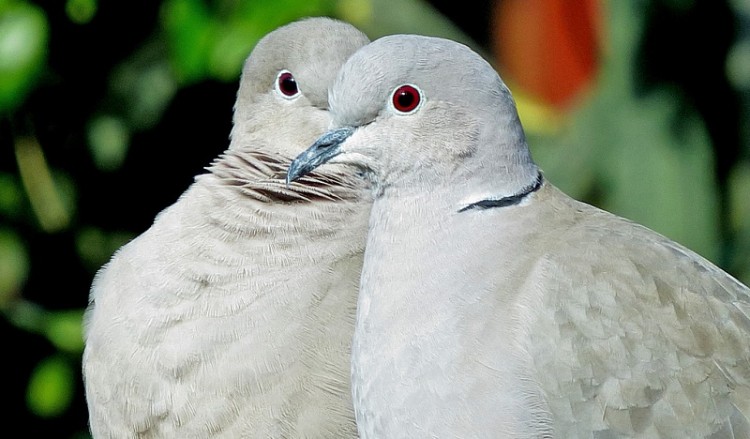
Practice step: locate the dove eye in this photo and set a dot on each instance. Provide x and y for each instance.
(406, 98)
(286, 84)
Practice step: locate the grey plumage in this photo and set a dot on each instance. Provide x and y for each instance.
(491, 306)
(232, 315)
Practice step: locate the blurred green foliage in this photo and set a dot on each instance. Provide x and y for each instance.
(205, 41)
(620, 143)
(648, 156)
(23, 43)
(87, 161)
(50, 388)
(14, 265)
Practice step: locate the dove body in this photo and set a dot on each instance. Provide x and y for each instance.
(232, 315)
(493, 305)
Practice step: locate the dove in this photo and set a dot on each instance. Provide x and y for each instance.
(232, 315)
(493, 305)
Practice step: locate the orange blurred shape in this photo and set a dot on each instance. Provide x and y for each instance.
(549, 48)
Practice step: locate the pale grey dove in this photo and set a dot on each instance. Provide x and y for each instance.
(232, 315)
(491, 304)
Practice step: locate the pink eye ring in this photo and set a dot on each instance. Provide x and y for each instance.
(286, 84)
(406, 98)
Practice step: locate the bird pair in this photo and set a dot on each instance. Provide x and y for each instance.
(411, 270)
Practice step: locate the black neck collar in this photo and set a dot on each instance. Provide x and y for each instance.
(509, 200)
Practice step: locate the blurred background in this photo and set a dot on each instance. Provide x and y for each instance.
(108, 110)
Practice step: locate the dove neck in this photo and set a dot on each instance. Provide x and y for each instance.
(466, 190)
(244, 201)
(240, 214)
(502, 167)
(505, 201)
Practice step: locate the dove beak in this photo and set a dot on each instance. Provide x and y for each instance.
(324, 149)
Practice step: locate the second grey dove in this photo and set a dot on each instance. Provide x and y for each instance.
(493, 305)
(232, 315)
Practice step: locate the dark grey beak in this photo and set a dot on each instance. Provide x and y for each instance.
(324, 149)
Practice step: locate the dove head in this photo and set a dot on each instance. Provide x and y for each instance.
(412, 111)
(282, 102)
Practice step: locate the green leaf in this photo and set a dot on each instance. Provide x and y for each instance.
(51, 387)
(190, 31)
(739, 202)
(109, 139)
(738, 65)
(14, 266)
(81, 11)
(65, 330)
(146, 84)
(11, 195)
(23, 51)
(51, 193)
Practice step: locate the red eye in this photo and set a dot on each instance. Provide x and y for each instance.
(406, 98)
(286, 84)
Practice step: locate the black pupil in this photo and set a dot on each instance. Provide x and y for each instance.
(287, 84)
(405, 99)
